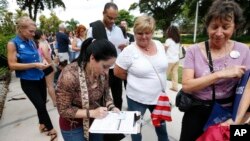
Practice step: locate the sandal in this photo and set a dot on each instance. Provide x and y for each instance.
(53, 136)
(43, 129)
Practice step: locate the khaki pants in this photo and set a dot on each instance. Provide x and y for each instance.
(173, 71)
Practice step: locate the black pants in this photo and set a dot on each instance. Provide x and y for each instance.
(37, 93)
(193, 122)
(115, 84)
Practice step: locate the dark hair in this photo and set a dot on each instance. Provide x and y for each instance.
(226, 10)
(101, 50)
(173, 32)
(124, 32)
(110, 4)
(38, 35)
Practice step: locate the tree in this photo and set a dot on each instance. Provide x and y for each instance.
(71, 24)
(20, 13)
(34, 6)
(3, 5)
(50, 24)
(163, 11)
(7, 24)
(125, 15)
(204, 5)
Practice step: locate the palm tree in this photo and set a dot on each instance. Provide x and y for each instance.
(34, 6)
(71, 24)
(20, 13)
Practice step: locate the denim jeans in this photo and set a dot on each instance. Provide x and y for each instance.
(71, 56)
(77, 135)
(160, 131)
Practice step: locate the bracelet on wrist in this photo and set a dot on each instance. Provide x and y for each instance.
(111, 108)
(110, 104)
(87, 113)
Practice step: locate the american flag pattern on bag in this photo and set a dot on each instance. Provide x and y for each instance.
(162, 110)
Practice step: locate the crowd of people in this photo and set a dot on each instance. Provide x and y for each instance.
(83, 71)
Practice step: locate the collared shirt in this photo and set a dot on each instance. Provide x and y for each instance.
(27, 53)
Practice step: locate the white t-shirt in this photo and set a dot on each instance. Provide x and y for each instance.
(78, 45)
(172, 51)
(143, 84)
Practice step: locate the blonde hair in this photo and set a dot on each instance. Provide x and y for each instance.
(144, 23)
(23, 23)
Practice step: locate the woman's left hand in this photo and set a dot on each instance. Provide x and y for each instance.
(116, 110)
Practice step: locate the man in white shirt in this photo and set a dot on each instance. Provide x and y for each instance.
(106, 29)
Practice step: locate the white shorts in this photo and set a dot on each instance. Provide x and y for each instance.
(63, 56)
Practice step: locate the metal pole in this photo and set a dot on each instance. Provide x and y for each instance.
(196, 21)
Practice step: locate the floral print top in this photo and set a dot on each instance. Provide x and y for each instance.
(68, 95)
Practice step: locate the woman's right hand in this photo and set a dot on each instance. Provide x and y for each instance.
(232, 72)
(100, 112)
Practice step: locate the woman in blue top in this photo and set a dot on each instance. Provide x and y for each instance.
(23, 57)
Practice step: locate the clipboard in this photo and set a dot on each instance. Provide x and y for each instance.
(125, 122)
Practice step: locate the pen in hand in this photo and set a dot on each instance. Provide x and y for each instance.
(98, 104)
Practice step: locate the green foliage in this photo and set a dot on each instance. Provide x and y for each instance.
(3, 72)
(71, 24)
(189, 8)
(7, 26)
(50, 24)
(188, 39)
(164, 11)
(20, 13)
(34, 6)
(3, 5)
(125, 15)
(4, 39)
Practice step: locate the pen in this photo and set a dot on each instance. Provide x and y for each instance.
(119, 124)
(98, 104)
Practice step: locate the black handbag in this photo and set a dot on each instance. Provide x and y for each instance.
(185, 101)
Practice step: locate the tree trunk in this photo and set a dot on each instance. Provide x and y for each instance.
(30, 12)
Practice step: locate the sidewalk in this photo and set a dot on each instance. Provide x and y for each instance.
(19, 120)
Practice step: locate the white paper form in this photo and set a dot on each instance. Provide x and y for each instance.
(122, 122)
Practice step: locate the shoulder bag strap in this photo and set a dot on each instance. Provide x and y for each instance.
(162, 87)
(210, 67)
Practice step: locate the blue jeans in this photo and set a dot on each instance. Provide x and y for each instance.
(77, 135)
(160, 131)
(71, 56)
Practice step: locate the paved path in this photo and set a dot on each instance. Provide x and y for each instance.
(19, 120)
